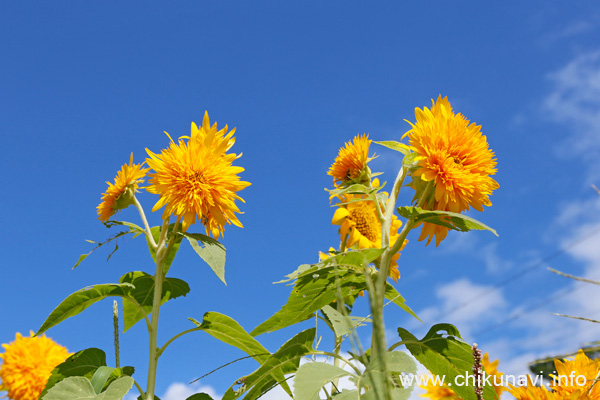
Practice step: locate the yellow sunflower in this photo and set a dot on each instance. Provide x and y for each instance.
(196, 179)
(532, 392)
(120, 194)
(351, 162)
(360, 227)
(576, 376)
(27, 364)
(454, 155)
(439, 392)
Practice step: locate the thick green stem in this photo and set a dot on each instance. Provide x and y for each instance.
(378, 343)
(162, 250)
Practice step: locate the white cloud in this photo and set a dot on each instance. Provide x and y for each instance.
(181, 391)
(575, 101)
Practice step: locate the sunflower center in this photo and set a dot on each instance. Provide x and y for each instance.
(366, 223)
(196, 177)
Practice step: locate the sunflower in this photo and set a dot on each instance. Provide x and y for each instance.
(454, 155)
(196, 179)
(439, 392)
(532, 392)
(351, 162)
(27, 365)
(120, 194)
(566, 381)
(360, 227)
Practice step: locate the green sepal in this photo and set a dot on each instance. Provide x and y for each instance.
(455, 221)
(443, 352)
(82, 363)
(213, 253)
(397, 146)
(411, 160)
(143, 294)
(356, 188)
(286, 360)
(82, 299)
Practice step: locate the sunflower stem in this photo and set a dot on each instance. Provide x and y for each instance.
(389, 209)
(145, 221)
(378, 343)
(161, 254)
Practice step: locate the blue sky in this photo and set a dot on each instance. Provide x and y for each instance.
(82, 85)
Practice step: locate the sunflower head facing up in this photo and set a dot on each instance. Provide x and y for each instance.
(196, 179)
(454, 155)
(360, 226)
(27, 364)
(119, 195)
(350, 166)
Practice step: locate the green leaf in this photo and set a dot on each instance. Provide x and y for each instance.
(199, 396)
(82, 299)
(117, 389)
(82, 363)
(313, 290)
(213, 252)
(347, 395)
(391, 144)
(80, 388)
(456, 221)
(356, 188)
(143, 294)
(133, 228)
(285, 360)
(392, 294)
(397, 362)
(312, 376)
(100, 377)
(443, 352)
(227, 330)
(72, 388)
(342, 324)
(155, 230)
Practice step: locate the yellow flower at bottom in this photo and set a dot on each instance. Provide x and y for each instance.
(531, 392)
(120, 194)
(576, 376)
(439, 392)
(195, 179)
(27, 365)
(454, 155)
(360, 227)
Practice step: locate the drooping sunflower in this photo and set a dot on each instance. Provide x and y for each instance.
(351, 162)
(195, 179)
(360, 227)
(120, 194)
(27, 364)
(565, 382)
(439, 392)
(454, 155)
